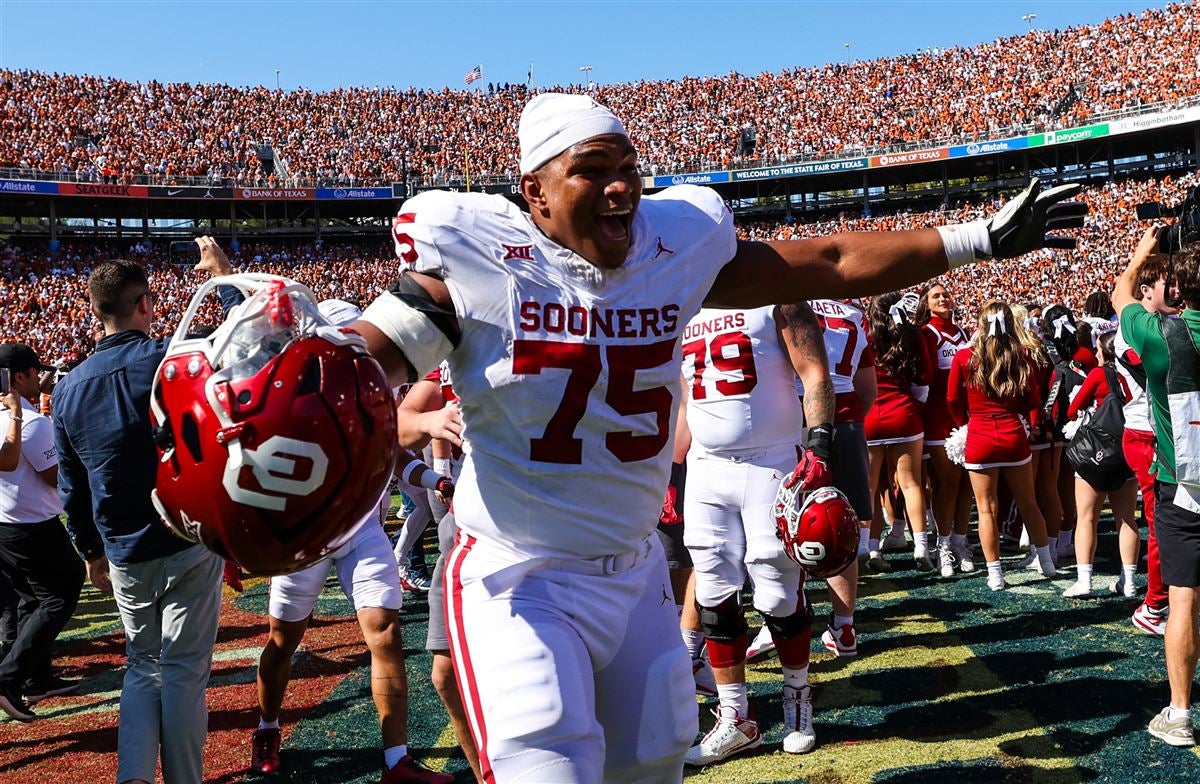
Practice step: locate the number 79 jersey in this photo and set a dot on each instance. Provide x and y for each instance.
(742, 382)
(568, 374)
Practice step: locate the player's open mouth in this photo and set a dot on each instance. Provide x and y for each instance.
(614, 225)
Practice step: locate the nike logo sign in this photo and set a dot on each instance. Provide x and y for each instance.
(174, 193)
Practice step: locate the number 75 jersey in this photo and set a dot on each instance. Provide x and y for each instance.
(568, 374)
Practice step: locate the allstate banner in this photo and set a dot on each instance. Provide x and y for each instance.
(28, 186)
(989, 148)
(800, 169)
(354, 193)
(700, 178)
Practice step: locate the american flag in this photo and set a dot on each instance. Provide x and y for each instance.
(475, 74)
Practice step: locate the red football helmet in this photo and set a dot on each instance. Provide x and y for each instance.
(819, 530)
(276, 433)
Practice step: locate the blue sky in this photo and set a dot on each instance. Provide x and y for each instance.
(322, 45)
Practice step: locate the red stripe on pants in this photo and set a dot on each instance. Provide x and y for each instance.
(1138, 446)
(462, 656)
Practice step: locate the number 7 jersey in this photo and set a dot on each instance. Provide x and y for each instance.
(568, 374)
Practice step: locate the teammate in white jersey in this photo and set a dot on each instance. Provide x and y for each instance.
(739, 370)
(562, 327)
(366, 570)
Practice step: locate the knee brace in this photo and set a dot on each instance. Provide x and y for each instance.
(725, 622)
(725, 627)
(792, 625)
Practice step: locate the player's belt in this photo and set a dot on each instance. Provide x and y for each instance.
(604, 564)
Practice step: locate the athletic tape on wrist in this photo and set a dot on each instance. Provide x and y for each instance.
(442, 466)
(966, 243)
(423, 344)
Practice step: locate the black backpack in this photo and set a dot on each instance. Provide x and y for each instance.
(1067, 376)
(1095, 451)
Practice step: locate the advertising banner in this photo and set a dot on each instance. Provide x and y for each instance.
(99, 189)
(273, 194)
(189, 192)
(988, 148)
(355, 193)
(800, 169)
(1069, 135)
(916, 156)
(702, 178)
(28, 186)
(1158, 120)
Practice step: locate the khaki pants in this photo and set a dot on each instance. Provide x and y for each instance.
(170, 608)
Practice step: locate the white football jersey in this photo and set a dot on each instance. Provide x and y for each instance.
(742, 383)
(568, 374)
(845, 341)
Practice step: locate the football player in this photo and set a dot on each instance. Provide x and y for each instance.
(562, 327)
(367, 572)
(739, 370)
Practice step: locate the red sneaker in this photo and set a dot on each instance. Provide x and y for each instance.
(408, 770)
(264, 754)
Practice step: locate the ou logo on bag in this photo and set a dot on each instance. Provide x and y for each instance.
(276, 465)
(809, 553)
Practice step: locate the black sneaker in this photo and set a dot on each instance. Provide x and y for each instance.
(12, 704)
(40, 689)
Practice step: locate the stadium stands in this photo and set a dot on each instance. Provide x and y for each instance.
(43, 296)
(103, 129)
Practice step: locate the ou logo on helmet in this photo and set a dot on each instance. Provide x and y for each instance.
(809, 553)
(275, 465)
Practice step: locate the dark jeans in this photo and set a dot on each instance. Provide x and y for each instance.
(46, 575)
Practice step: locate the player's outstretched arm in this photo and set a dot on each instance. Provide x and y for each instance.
(865, 263)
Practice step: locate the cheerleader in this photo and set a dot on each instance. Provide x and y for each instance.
(950, 490)
(1088, 499)
(894, 427)
(992, 388)
(1059, 334)
(1047, 455)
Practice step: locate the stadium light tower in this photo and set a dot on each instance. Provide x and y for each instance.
(1028, 20)
(587, 70)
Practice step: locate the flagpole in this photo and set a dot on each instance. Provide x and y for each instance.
(467, 154)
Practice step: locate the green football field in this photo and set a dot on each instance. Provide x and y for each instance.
(953, 684)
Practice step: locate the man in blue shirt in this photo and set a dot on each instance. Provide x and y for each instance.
(168, 590)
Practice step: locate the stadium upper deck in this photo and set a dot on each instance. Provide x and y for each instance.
(100, 129)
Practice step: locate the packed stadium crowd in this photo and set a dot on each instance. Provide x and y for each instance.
(97, 128)
(978, 372)
(44, 298)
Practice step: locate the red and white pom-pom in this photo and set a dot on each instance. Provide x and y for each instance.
(956, 445)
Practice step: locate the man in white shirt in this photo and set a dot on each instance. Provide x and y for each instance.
(36, 554)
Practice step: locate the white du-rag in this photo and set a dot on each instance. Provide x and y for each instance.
(553, 122)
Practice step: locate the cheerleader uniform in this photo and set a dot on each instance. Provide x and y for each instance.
(897, 416)
(996, 436)
(942, 339)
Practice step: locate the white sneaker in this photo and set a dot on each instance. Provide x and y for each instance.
(1029, 561)
(893, 541)
(1119, 586)
(1078, 590)
(923, 562)
(1149, 620)
(947, 560)
(799, 737)
(730, 735)
(966, 558)
(763, 646)
(997, 583)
